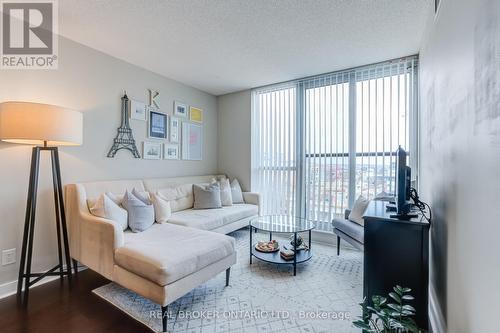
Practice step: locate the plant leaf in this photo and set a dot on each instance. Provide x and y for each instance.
(395, 297)
(361, 324)
(408, 297)
(409, 308)
(395, 307)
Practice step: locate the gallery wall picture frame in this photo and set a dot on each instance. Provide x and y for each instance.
(180, 109)
(192, 142)
(196, 114)
(151, 150)
(157, 125)
(138, 110)
(170, 151)
(175, 129)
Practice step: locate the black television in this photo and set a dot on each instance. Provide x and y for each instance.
(403, 186)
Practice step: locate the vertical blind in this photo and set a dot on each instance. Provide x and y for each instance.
(274, 148)
(320, 142)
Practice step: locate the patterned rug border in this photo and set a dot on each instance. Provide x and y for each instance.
(97, 291)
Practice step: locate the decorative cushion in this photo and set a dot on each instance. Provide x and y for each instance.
(358, 210)
(106, 208)
(180, 197)
(225, 191)
(141, 215)
(143, 196)
(236, 193)
(162, 208)
(207, 197)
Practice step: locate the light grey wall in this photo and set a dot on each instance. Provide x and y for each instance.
(460, 155)
(91, 82)
(235, 136)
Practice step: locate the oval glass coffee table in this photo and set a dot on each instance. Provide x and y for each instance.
(282, 224)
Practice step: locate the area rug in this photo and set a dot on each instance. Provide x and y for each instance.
(323, 297)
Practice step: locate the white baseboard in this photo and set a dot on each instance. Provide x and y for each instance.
(10, 288)
(436, 318)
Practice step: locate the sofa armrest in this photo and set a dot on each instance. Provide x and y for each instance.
(346, 214)
(93, 240)
(253, 198)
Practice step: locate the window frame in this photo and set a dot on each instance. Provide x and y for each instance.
(406, 65)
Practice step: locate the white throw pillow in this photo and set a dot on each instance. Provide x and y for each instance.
(117, 199)
(141, 215)
(162, 208)
(358, 210)
(106, 208)
(236, 193)
(225, 191)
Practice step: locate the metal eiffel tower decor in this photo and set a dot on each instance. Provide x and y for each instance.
(124, 139)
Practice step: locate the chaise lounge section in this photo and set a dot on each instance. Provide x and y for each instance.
(166, 261)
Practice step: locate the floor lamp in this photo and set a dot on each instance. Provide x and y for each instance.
(46, 127)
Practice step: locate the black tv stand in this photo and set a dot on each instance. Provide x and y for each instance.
(408, 216)
(396, 252)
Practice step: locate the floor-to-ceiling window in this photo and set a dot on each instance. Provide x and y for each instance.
(320, 142)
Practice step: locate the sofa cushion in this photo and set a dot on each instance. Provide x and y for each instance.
(209, 219)
(166, 252)
(351, 229)
(180, 196)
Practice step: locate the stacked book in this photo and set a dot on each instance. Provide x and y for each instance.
(287, 254)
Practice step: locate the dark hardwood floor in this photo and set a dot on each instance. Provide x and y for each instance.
(66, 307)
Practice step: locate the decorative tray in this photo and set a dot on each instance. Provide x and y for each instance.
(267, 247)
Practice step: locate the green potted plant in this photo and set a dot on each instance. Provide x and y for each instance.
(385, 317)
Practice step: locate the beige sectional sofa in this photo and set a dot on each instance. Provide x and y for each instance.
(167, 260)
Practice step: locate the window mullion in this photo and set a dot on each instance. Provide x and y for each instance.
(300, 152)
(352, 138)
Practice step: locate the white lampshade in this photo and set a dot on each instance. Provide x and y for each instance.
(34, 124)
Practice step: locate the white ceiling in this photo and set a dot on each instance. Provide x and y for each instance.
(221, 46)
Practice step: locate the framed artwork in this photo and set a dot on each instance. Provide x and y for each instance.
(180, 109)
(170, 151)
(175, 129)
(157, 127)
(138, 110)
(196, 114)
(192, 142)
(151, 150)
